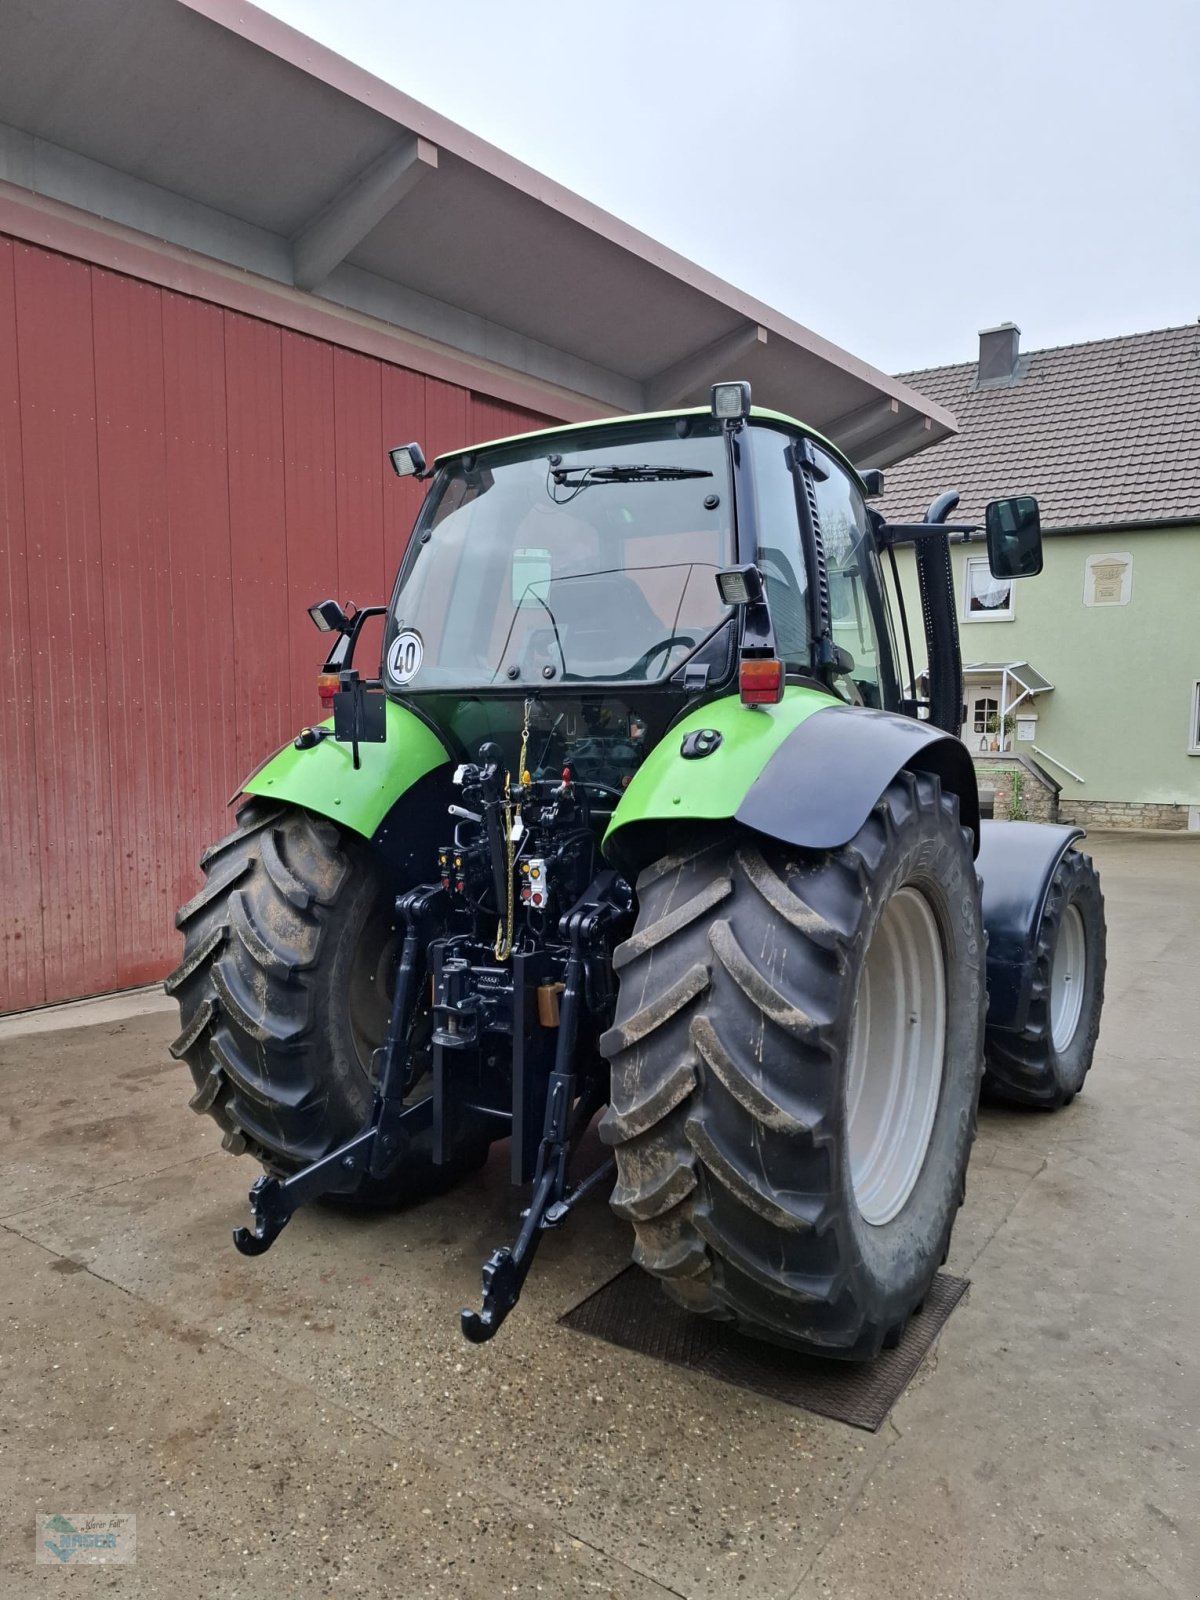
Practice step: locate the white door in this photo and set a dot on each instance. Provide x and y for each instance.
(983, 712)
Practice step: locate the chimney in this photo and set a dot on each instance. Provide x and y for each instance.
(999, 349)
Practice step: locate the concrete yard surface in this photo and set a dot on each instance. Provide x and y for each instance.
(312, 1422)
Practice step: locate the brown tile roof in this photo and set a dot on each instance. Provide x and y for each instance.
(1105, 434)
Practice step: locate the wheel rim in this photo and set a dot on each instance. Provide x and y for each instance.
(1067, 976)
(897, 1050)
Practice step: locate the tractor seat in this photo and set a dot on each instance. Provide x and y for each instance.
(603, 618)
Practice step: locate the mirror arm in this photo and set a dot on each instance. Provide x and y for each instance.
(892, 533)
(341, 657)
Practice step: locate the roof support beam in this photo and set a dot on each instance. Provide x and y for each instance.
(683, 382)
(854, 428)
(893, 444)
(329, 238)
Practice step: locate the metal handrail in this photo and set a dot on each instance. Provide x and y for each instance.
(1054, 761)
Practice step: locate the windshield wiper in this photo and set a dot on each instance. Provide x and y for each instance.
(577, 477)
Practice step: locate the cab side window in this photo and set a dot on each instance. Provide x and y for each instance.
(857, 609)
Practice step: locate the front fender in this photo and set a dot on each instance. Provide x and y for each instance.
(1016, 862)
(324, 779)
(807, 771)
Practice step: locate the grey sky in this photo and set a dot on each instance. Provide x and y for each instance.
(896, 174)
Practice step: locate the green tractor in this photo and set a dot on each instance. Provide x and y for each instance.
(641, 816)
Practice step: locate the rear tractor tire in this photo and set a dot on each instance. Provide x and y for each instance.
(284, 993)
(1046, 1063)
(796, 1058)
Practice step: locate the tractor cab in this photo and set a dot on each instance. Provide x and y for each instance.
(591, 583)
(591, 556)
(603, 577)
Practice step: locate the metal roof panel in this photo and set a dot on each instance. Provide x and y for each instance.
(214, 104)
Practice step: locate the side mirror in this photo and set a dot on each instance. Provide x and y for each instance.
(1014, 537)
(532, 572)
(841, 597)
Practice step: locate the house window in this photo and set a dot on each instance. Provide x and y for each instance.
(985, 599)
(985, 710)
(1194, 724)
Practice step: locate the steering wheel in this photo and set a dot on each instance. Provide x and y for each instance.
(640, 666)
(542, 642)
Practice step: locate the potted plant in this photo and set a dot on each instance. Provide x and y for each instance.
(1002, 727)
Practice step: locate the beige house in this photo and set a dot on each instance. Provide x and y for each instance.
(1081, 686)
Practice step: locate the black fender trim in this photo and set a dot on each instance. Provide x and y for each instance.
(1016, 862)
(822, 783)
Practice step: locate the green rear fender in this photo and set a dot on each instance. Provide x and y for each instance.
(324, 779)
(806, 772)
(669, 788)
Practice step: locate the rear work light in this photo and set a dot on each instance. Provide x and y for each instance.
(760, 681)
(731, 401)
(328, 684)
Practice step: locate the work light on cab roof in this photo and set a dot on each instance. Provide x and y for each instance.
(731, 401)
(408, 460)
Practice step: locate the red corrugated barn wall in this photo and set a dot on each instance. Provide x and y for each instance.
(178, 482)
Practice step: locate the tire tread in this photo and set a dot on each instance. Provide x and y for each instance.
(726, 1165)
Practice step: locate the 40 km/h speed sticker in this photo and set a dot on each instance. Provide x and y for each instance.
(404, 656)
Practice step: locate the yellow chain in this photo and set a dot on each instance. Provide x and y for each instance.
(502, 949)
(503, 945)
(525, 744)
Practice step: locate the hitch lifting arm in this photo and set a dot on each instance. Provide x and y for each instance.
(505, 1270)
(374, 1150)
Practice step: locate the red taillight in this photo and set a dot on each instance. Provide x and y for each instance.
(327, 686)
(761, 681)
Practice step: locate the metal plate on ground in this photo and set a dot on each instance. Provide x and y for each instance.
(632, 1311)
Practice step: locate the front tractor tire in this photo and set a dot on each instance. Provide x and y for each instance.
(1045, 1064)
(796, 1058)
(283, 995)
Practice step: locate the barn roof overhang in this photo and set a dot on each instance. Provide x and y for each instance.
(208, 126)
